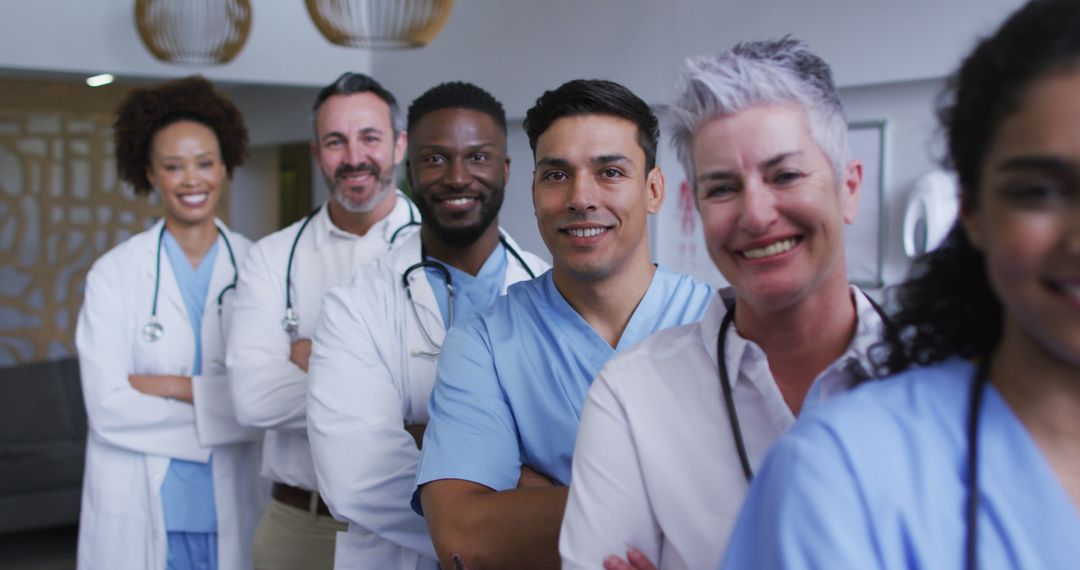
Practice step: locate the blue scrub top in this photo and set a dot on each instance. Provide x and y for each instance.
(472, 294)
(187, 493)
(511, 382)
(876, 479)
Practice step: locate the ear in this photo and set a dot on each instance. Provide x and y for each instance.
(969, 217)
(654, 188)
(315, 151)
(849, 191)
(399, 147)
(506, 169)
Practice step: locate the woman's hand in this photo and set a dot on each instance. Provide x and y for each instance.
(164, 386)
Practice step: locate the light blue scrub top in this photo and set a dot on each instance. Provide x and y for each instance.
(472, 294)
(512, 381)
(876, 479)
(188, 491)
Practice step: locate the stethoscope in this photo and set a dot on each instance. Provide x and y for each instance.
(425, 262)
(725, 382)
(971, 501)
(153, 330)
(978, 388)
(291, 320)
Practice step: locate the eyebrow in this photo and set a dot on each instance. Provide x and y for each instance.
(466, 148)
(764, 165)
(339, 134)
(1037, 162)
(556, 162)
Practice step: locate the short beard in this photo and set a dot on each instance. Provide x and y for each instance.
(461, 236)
(354, 208)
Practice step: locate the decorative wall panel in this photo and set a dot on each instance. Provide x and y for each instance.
(61, 207)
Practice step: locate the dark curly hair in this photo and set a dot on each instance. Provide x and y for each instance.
(146, 111)
(594, 97)
(456, 95)
(947, 307)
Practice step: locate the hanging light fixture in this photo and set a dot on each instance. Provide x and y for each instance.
(193, 32)
(379, 23)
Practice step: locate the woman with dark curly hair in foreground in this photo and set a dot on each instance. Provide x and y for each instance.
(171, 479)
(970, 455)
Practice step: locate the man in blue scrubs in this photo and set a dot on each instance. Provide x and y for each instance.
(511, 382)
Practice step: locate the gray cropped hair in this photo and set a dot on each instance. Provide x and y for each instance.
(350, 83)
(770, 71)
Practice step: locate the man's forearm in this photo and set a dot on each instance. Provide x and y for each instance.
(518, 528)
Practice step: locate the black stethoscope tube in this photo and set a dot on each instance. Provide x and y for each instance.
(438, 266)
(978, 388)
(291, 321)
(153, 330)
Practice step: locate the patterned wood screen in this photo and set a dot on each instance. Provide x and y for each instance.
(61, 207)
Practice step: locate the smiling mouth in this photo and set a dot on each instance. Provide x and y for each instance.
(194, 199)
(459, 200)
(775, 248)
(585, 232)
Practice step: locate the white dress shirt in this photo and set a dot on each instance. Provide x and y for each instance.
(269, 391)
(371, 374)
(656, 467)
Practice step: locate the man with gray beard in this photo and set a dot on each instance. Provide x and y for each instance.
(358, 139)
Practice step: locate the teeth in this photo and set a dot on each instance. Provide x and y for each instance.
(194, 199)
(771, 249)
(586, 232)
(459, 201)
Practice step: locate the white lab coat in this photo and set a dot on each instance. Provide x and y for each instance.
(268, 389)
(366, 382)
(132, 436)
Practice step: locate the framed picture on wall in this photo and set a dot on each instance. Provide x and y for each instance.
(864, 240)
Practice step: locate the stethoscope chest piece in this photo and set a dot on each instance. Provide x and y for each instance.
(152, 330)
(291, 321)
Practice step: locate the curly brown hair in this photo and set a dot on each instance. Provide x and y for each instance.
(146, 111)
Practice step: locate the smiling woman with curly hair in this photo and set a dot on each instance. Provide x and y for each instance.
(171, 478)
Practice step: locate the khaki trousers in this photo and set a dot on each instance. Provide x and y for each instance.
(292, 539)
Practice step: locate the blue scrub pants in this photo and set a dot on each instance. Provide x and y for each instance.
(192, 551)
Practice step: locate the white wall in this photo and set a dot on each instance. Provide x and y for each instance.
(517, 49)
(517, 216)
(912, 148)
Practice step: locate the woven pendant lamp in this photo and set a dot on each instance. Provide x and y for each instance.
(193, 32)
(379, 23)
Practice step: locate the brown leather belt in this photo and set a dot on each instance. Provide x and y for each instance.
(298, 498)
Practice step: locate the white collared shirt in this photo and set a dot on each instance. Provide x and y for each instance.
(656, 466)
(270, 391)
